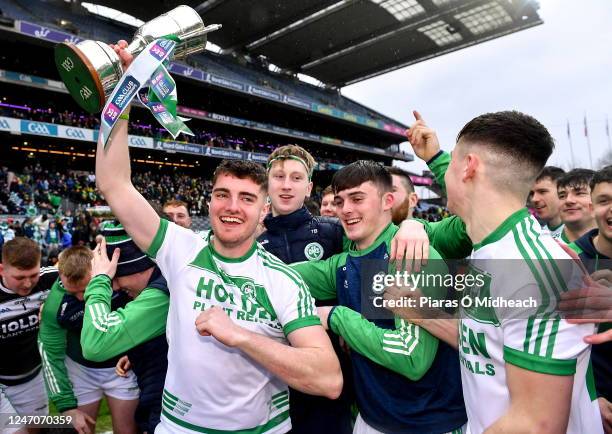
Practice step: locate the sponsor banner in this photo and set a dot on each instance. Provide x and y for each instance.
(192, 112)
(140, 142)
(24, 78)
(218, 117)
(46, 33)
(297, 102)
(75, 133)
(258, 158)
(282, 130)
(10, 124)
(224, 153)
(38, 128)
(265, 93)
(187, 148)
(225, 82)
(186, 71)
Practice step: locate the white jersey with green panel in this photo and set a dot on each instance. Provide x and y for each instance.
(517, 262)
(211, 387)
(554, 232)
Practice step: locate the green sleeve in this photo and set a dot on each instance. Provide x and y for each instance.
(107, 334)
(575, 247)
(408, 349)
(52, 347)
(320, 276)
(449, 237)
(438, 165)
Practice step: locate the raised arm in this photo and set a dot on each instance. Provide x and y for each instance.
(113, 178)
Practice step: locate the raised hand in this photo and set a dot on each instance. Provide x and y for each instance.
(423, 139)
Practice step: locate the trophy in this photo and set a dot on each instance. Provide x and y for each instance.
(91, 69)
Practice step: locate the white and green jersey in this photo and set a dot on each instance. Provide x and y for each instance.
(518, 262)
(211, 387)
(553, 232)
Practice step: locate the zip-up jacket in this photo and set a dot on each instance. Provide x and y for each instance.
(601, 355)
(300, 236)
(406, 380)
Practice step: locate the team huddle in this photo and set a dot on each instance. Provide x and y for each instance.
(257, 326)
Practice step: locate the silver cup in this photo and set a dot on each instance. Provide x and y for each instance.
(91, 69)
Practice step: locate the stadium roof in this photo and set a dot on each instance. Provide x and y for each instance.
(341, 42)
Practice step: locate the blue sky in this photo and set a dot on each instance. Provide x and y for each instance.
(557, 71)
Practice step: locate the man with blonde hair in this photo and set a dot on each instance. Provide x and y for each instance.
(76, 385)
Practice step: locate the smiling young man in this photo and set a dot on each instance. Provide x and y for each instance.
(546, 200)
(576, 207)
(397, 367)
(539, 378)
(24, 286)
(242, 325)
(595, 250)
(293, 234)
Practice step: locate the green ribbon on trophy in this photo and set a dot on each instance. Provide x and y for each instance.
(161, 100)
(147, 68)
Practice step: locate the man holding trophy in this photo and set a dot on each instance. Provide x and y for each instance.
(241, 325)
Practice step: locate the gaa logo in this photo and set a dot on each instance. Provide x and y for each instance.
(313, 251)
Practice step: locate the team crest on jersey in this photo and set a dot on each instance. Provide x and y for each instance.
(248, 288)
(313, 251)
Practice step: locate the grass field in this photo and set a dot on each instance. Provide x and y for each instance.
(103, 425)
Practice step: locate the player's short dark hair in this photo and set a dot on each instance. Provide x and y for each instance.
(551, 172)
(22, 253)
(513, 135)
(576, 178)
(405, 176)
(242, 169)
(601, 176)
(175, 203)
(359, 172)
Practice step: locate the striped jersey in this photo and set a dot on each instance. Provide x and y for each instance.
(20, 359)
(554, 232)
(211, 387)
(518, 262)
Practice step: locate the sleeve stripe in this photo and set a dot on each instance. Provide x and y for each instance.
(159, 238)
(406, 338)
(48, 370)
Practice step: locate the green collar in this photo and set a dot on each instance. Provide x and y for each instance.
(504, 228)
(218, 255)
(385, 235)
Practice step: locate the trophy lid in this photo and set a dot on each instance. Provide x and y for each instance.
(80, 77)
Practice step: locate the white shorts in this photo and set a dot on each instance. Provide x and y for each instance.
(361, 427)
(6, 409)
(29, 398)
(91, 384)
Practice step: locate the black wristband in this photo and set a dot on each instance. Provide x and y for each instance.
(431, 160)
(331, 311)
